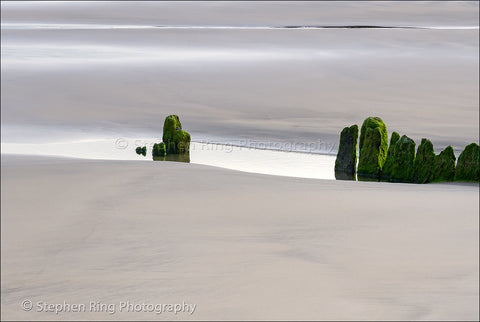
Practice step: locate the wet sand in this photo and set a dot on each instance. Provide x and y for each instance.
(265, 85)
(240, 246)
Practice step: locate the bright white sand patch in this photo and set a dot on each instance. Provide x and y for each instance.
(283, 163)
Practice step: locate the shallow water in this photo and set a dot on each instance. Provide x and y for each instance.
(247, 159)
(72, 26)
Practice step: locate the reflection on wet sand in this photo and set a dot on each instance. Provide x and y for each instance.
(339, 175)
(369, 178)
(364, 178)
(182, 157)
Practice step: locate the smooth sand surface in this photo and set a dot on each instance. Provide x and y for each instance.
(240, 246)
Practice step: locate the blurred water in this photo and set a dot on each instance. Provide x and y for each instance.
(91, 26)
(233, 72)
(302, 165)
(59, 56)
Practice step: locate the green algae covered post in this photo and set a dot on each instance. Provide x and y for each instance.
(387, 166)
(403, 156)
(176, 140)
(424, 162)
(373, 147)
(444, 165)
(158, 150)
(141, 150)
(346, 161)
(468, 164)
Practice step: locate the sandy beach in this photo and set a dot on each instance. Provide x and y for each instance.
(131, 239)
(240, 246)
